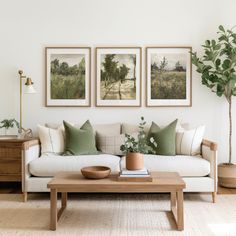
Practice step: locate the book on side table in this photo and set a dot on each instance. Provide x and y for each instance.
(142, 175)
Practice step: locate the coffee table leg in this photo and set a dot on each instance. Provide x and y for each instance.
(172, 200)
(53, 209)
(180, 210)
(176, 202)
(63, 200)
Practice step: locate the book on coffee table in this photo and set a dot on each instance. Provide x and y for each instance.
(143, 171)
(142, 175)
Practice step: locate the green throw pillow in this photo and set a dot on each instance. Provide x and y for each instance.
(165, 138)
(79, 141)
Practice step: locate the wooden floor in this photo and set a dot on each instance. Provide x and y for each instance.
(16, 188)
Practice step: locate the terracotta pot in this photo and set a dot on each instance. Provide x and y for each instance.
(227, 175)
(134, 161)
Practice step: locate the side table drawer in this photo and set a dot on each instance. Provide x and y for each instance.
(10, 153)
(10, 167)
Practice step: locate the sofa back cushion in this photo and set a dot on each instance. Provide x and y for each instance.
(106, 129)
(127, 128)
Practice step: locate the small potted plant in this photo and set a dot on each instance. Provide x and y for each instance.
(9, 123)
(134, 148)
(218, 71)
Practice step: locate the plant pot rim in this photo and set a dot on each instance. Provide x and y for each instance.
(226, 164)
(134, 152)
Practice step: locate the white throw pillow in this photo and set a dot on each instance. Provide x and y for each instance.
(188, 142)
(52, 140)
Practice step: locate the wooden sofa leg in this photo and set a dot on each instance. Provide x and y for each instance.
(25, 196)
(213, 197)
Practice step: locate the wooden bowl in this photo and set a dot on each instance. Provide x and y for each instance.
(95, 172)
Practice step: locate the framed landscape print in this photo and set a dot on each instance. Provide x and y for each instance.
(169, 73)
(68, 76)
(118, 76)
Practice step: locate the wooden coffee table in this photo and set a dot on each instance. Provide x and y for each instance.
(65, 182)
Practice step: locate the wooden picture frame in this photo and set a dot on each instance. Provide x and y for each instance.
(120, 84)
(168, 77)
(68, 76)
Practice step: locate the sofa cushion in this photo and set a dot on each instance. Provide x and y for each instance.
(108, 129)
(188, 142)
(164, 137)
(186, 166)
(52, 140)
(110, 143)
(105, 129)
(127, 128)
(79, 141)
(49, 165)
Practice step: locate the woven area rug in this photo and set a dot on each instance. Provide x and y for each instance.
(118, 215)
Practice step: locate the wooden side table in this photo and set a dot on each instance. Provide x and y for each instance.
(11, 158)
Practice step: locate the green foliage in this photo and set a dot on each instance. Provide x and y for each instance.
(9, 123)
(112, 72)
(179, 67)
(123, 72)
(65, 70)
(67, 82)
(131, 145)
(110, 69)
(218, 64)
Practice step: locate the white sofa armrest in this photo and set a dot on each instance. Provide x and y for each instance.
(209, 152)
(30, 151)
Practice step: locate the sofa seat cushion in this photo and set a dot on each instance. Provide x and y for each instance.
(48, 166)
(186, 166)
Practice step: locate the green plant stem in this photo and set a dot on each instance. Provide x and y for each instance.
(230, 130)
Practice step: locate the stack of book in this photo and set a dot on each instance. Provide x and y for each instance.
(142, 175)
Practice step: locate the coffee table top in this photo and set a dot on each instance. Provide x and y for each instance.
(75, 182)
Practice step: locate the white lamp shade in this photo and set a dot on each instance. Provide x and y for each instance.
(29, 89)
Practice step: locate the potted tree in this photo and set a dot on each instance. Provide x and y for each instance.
(134, 148)
(218, 72)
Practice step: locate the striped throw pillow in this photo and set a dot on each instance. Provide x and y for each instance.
(52, 140)
(188, 142)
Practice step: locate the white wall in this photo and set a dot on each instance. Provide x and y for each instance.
(27, 26)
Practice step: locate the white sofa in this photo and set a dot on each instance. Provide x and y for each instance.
(198, 172)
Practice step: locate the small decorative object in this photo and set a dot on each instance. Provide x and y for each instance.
(169, 75)
(218, 72)
(25, 133)
(9, 123)
(95, 172)
(68, 76)
(135, 149)
(118, 76)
